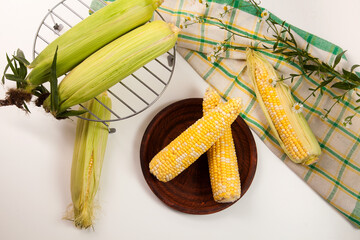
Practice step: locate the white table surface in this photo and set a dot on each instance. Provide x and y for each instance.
(36, 153)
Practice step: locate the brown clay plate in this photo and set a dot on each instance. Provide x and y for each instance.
(190, 192)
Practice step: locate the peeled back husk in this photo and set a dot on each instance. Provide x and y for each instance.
(288, 126)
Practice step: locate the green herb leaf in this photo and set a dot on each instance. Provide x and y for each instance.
(22, 71)
(54, 90)
(301, 61)
(15, 78)
(283, 23)
(348, 118)
(279, 50)
(354, 67)
(290, 53)
(325, 68)
(310, 73)
(40, 90)
(275, 46)
(292, 36)
(26, 107)
(10, 64)
(351, 77)
(18, 69)
(338, 58)
(22, 60)
(3, 77)
(70, 113)
(310, 67)
(343, 85)
(20, 53)
(330, 78)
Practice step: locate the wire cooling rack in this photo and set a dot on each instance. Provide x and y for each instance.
(130, 96)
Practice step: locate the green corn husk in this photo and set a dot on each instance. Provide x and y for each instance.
(112, 63)
(302, 138)
(89, 35)
(90, 145)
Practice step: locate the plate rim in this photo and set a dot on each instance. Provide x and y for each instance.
(252, 166)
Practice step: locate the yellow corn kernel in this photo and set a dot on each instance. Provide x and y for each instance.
(89, 151)
(112, 63)
(194, 141)
(222, 160)
(289, 127)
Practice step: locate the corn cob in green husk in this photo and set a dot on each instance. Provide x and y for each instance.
(75, 45)
(89, 35)
(90, 145)
(112, 63)
(287, 124)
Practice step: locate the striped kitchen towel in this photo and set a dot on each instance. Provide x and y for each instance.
(336, 176)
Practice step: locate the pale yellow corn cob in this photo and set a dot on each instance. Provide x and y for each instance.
(289, 127)
(89, 35)
(90, 144)
(112, 63)
(194, 141)
(222, 160)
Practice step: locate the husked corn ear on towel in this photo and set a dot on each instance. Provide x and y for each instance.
(336, 176)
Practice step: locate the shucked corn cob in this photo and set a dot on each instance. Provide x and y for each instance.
(222, 160)
(90, 144)
(289, 127)
(115, 61)
(194, 141)
(89, 35)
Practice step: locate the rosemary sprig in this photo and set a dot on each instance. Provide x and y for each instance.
(283, 42)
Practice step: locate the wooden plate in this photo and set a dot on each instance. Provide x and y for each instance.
(190, 192)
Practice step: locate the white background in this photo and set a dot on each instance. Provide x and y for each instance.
(36, 153)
